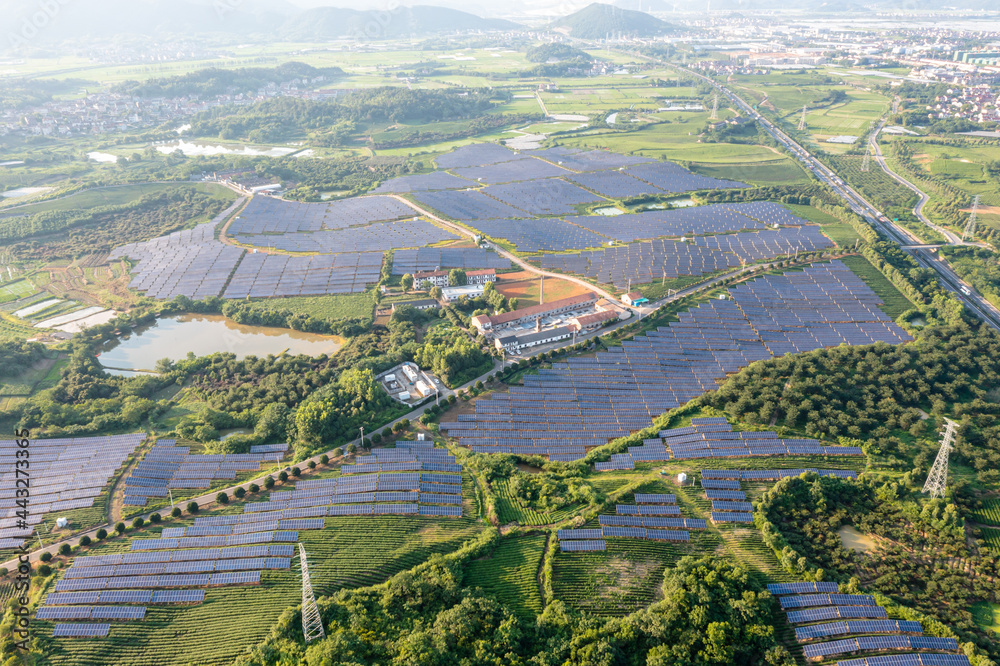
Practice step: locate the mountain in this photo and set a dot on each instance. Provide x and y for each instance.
(333, 22)
(598, 20)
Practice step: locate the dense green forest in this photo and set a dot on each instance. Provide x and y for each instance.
(332, 123)
(212, 81)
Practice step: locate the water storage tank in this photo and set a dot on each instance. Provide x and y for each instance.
(62, 522)
(682, 478)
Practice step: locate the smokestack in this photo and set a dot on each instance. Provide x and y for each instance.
(538, 324)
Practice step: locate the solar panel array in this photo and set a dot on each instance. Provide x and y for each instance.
(910, 660)
(166, 467)
(65, 473)
(267, 215)
(521, 168)
(376, 237)
(857, 614)
(529, 236)
(545, 196)
(770, 474)
(436, 180)
(476, 154)
(265, 275)
(680, 222)
(671, 177)
(188, 263)
(591, 160)
(467, 205)
(433, 258)
(584, 402)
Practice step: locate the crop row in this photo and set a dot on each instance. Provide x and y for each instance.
(511, 573)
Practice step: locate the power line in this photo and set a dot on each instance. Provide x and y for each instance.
(937, 479)
(970, 226)
(312, 624)
(802, 121)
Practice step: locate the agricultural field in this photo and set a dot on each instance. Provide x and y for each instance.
(510, 573)
(839, 232)
(13, 291)
(989, 514)
(113, 195)
(333, 306)
(527, 289)
(779, 171)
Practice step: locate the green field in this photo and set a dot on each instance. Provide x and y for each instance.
(13, 291)
(333, 306)
(990, 513)
(839, 232)
(779, 171)
(992, 538)
(894, 303)
(987, 616)
(510, 573)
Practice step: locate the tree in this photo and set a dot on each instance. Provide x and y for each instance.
(176, 512)
(239, 492)
(254, 488)
(101, 534)
(44, 570)
(296, 471)
(222, 498)
(138, 522)
(406, 282)
(457, 277)
(192, 507)
(436, 293)
(269, 482)
(46, 557)
(283, 476)
(120, 527)
(324, 459)
(155, 518)
(65, 549)
(311, 464)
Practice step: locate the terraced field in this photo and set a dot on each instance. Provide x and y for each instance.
(510, 573)
(510, 510)
(990, 513)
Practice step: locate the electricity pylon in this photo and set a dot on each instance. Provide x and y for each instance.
(802, 120)
(937, 479)
(312, 624)
(866, 162)
(970, 226)
(715, 108)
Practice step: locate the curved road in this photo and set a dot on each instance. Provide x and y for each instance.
(918, 209)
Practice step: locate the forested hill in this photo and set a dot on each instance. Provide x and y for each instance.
(332, 22)
(598, 20)
(214, 81)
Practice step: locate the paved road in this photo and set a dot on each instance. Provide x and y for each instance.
(918, 209)
(976, 304)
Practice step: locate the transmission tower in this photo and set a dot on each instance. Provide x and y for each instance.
(937, 480)
(802, 120)
(970, 226)
(715, 108)
(312, 625)
(866, 163)
(895, 105)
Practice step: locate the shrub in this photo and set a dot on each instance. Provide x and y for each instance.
(283, 476)
(155, 518)
(377, 438)
(85, 540)
(254, 488)
(239, 492)
(44, 570)
(176, 512)
(325, 459)
(102, 533)
(352, 449)
(296, 471)
(120, 528)
(222, 498)
(65, 549)
(192, 507)
(46, 557)
(269, 482)
(3, 572)
(138, 522)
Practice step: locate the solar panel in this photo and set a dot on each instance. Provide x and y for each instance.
(80, 630)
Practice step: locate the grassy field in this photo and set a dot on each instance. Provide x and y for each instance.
(332, 306)
(987, 616)
(778, 171)
(510, 573)
(894, 303)
(12, 291)
(839, 232)
(13, 329)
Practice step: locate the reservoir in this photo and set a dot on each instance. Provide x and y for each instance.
(173, 337)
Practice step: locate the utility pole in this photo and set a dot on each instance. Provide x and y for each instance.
(937, 479)
(970, 226)
(312, 624)
(362, 437)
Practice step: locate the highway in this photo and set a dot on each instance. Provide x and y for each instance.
(926, 258)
